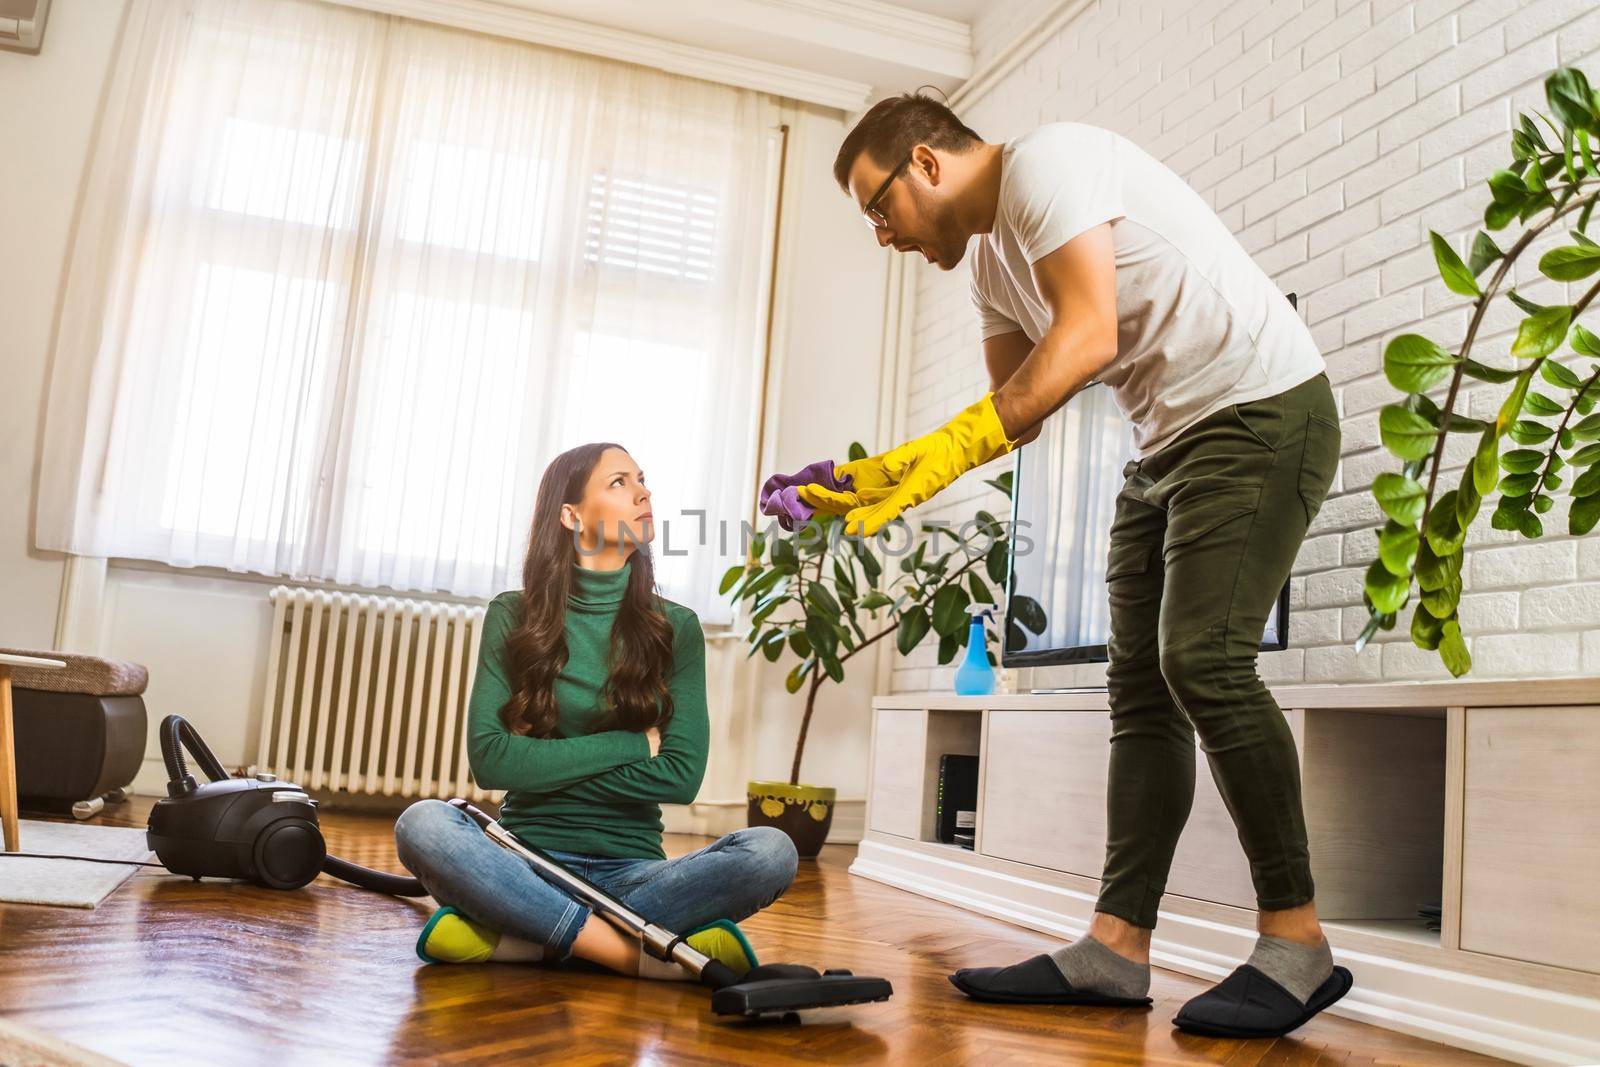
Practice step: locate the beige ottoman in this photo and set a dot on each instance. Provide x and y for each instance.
(76, 729)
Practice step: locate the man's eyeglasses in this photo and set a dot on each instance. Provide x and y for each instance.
(874, 216)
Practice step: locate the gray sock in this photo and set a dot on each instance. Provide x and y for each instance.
(1301, 969)
(1092, 967)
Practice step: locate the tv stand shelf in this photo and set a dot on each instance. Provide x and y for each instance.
(1480, 797)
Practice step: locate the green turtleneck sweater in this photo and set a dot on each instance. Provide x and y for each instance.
(588, 788)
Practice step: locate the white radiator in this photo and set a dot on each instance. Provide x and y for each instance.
(368, 694)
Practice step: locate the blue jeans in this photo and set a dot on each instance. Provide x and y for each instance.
(731, 878)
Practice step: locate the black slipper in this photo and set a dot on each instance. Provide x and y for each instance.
(1034, 981)
(1247, 1003)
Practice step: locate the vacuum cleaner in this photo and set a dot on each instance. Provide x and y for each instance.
(265, 831)
(257, 829)
(780, 989)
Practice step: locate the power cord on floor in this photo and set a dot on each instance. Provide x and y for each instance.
(85, 859)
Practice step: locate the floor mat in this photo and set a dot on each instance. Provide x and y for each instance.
(69, 883)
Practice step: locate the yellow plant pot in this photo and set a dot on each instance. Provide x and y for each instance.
(804, 812)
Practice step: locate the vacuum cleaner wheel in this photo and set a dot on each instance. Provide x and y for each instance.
(289, 854)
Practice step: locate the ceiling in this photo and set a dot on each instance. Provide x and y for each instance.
(880, 47)
(959, 10)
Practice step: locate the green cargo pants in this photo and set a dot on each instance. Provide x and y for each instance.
(1205, 534)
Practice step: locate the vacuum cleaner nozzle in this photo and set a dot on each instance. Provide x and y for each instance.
(785, 988)
(781, 989)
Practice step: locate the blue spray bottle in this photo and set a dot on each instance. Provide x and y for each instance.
(975, 676)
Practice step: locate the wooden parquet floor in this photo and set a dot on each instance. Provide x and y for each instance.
(167, 970)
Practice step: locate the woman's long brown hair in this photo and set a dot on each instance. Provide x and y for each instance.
(640, 657)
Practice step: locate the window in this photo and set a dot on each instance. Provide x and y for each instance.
(640, 225)
(360, 278)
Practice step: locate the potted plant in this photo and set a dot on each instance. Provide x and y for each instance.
(1553, 426)
(823, 598)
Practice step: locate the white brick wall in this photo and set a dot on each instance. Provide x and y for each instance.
(1330, 136)
(995, 29)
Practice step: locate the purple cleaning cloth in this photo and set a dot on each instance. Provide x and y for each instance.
(780, 494)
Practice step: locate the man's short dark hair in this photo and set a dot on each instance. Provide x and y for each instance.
(892, 127)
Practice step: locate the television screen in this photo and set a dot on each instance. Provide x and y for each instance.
(1064, 492)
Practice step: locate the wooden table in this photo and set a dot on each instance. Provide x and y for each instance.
(8, 745)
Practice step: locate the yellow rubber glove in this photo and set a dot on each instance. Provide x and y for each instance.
(888, 484)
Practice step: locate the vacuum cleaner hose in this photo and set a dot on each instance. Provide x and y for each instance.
(177, 735)
(396, 885)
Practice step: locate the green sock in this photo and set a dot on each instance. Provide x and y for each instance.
(721, 940)
(451, 937)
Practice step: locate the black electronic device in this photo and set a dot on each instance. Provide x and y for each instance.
(958, 792)
(257, 829)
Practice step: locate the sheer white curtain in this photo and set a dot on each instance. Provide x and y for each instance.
(344, 283)
(1067, 483)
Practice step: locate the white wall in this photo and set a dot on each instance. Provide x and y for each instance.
(203, 634)
(48, 105)
(1330, 137)
(829, 397)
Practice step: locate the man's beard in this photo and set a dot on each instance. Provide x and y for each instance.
(948, 243)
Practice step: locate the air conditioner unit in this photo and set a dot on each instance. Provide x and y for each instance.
(22, 25)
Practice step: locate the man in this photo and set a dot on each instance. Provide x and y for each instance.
(1094, 262)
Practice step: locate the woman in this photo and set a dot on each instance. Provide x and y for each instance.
(589, 710)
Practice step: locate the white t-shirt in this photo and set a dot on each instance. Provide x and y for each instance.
(1199, 325)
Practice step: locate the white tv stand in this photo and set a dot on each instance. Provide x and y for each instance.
(1483, 797)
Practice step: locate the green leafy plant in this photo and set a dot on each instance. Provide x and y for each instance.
(1553, 426)
(823, 598)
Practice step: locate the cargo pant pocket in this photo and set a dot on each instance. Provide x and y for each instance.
(1265, 420)
(1127, 559)
(1318, 463)
(1195, 518)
